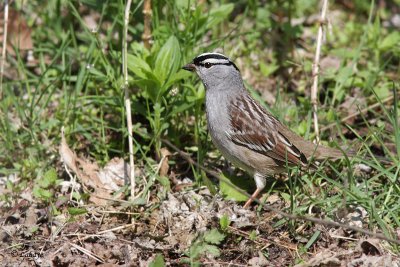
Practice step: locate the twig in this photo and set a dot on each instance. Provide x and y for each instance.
(87, 252)
(127, 98)
(101, 233)
(315, 71)
(117, 212)
(278, 243)
(3, 52)
(279, 212)
(362, 111)
(146, 36)
(222, 263)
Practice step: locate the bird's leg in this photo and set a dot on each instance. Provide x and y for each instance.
(260, 183)
(251, 199)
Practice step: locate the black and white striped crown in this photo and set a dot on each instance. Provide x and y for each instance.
(211, 59)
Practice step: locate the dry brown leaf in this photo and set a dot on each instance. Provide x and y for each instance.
(352, 104)
(164, 167)
(66, 154)
(91, 20)
(114, 174)
(370, 247)
(330, 62)
(89, 177)
(103, 182)
(19, 33)
(324, 258)
(258, 261)
(30, 217)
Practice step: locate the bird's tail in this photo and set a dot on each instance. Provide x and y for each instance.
(323, 152)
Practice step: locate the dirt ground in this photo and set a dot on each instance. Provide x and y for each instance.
(109, 236)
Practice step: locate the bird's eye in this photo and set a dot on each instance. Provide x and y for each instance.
(207, 65)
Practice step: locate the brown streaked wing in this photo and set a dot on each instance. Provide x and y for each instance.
(253, 127)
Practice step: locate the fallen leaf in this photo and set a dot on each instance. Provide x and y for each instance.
(66, 154)
(164, 167)
(103, 182)
(19, 33)
(370, 247)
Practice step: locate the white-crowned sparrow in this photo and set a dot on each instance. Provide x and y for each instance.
(246, 134)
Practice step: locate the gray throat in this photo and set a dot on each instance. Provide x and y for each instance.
(218, 100)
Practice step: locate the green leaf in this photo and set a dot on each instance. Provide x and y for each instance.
(151, 88)
(344, 74)
(228, 191)
(98, 74)
(34, 229)
(213, 250)
(330, 116)
(139, 201)
(168, 59)
(138, 66)
(312, 240)
(267, 70)
(164, 181)
(158, 261)
(42, 193)
(285, 196)
(208, 183)
(182, 74)
(214, 237)
(219, 14)
(390, 41)
(180, 107)
(253, 235)
(76, 211)
(383, 91)
(224, 222)
(9, 185)
(49, 178)
(302, 128)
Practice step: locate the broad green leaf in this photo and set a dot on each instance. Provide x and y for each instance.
(344, 74)
(139, 49)
(168, 59)
(213, 250)
(49, 178)
(41, 193)
(229, 192)
(253, 235)
(302, 128)
(383, 91)
(182, 74)
(390, 41)
(182, 4)
(224, 222)
(330, 116)
(285, 196)
(164, 181)
(150, 88)
(158, 261)
(343, 53)
(219, 14)
(76, 211)
(138, 66)
(267, 70)
(214, 237)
